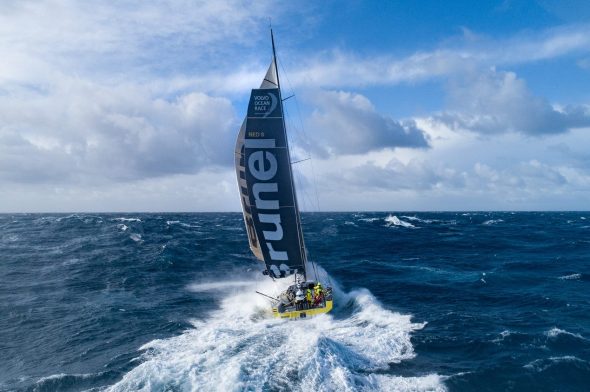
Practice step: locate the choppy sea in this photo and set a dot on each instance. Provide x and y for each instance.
(473, 301)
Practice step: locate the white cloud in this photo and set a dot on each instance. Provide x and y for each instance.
(491, 102)
(462, 171)
(347, 123)
(395, 176)
(338, 69)
(83, 132)
(131, 29)
(88, 91)
(205, 191)
(172, 45)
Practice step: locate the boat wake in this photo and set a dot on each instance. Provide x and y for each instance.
(238, 348)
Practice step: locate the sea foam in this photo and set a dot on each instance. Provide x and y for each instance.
(238, 347)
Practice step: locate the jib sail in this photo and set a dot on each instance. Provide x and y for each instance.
(265, 181)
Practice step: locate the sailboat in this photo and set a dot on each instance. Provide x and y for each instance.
(269, 203)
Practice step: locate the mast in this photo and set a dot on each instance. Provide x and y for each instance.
(297, 215)
(274, 57)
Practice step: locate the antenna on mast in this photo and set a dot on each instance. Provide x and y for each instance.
(274, 56)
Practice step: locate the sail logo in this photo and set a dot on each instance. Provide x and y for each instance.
(262, 165)
(264, 104)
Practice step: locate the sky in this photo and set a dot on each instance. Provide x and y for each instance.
(401, 106)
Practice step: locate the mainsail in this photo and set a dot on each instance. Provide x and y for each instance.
(265, 180)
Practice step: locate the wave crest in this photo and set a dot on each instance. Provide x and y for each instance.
(393, 220)
(571, 277)
(492, 222)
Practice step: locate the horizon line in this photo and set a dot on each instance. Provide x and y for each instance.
(306, 212)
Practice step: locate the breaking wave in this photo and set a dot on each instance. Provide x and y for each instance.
(492, 221)
(122, 219)
(238, 348)
(571, 277)
(416, 219)
(369, 219)
(555, 332)
(63, 381)
(176, 222)
(503, 336)
(540, 365)
(393, 220)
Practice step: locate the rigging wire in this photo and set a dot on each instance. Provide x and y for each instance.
(314, 177)
(312, 262)
(298, 179)
(302, 137)
(305, 138)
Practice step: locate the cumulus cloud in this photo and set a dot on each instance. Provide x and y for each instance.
(347, 123)
(79, 131)
(527, 175)
(96, 96)
(424, 177)
(491, 102)
(395, 176)
(463, 171)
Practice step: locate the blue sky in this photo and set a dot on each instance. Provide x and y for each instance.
(425, 105)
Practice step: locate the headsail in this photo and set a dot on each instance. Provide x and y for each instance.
(271, 79)
(265, 180)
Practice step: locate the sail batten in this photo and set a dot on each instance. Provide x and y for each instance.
(265, 179)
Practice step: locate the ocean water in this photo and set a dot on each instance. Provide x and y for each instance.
(478, 301)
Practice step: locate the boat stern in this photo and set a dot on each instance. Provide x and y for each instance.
(294, 314)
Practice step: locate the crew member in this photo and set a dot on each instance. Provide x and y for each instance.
(299, 299)
(319, 293)
(309, 297)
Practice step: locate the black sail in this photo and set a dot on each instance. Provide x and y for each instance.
(266, 183)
